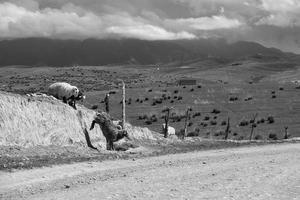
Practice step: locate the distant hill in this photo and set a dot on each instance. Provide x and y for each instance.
(54, 52)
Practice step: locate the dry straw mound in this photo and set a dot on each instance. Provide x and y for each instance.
(42, 120)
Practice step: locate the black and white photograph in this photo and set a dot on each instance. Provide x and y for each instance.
(149, 99)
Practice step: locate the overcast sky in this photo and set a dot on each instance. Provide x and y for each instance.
(274, 23)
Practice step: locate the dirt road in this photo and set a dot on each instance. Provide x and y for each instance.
(262, 172)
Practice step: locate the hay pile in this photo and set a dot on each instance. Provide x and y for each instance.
(41, 120)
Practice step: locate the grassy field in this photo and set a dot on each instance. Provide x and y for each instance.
(239, 91)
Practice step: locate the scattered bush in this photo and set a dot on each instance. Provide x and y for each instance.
(190, 124)
(223, 123)
(112, 92)
(273, 92)
(235, 134)
(199, 86)
(258, 137)
(270, 120)
(196, 114)
(150, 90)
(219, 133)
(216, 111)
(179, 98)
(175, 91)
(206, 118)
(148, 122)
(244, 123)
(146, 99)
(273, 136)
(281, 88)
(273, 96)
(193, 134)
(215, 117)
(213, 122)
(94, 107)
(172, 101)
(142, 117)
(233, 99)
(192, 90)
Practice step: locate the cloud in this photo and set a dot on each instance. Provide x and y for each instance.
(71, 21)
(271, 23)
(206, 23)
(283, 13)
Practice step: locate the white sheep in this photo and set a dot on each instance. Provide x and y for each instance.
(171, 130)
(66, 92)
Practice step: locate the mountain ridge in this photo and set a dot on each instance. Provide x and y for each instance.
(57, 52)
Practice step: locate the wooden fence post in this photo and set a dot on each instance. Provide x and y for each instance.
(286, 135)
(187, 113)
(253, 126)
(106, 101)
(167, 116)
(227, 129)
(123, 105)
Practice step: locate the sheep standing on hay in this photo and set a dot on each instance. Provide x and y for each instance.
(66, 92)
(111, 132)
(171, 130)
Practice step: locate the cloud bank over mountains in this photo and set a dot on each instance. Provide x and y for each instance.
(272, 23)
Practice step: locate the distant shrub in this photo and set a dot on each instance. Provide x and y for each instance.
(213, 122)
(244, 123)
(233, 99)
(258, 137)
(196, 114)
(206, 118)
(169, 97)
(193, 134)
(172, 101)
(270, 120)
(179, 98)
(184, 87)
(215, 111)
(112, 92)
(273, 92)
(142, 117)
(223, 123)
(273, 136)
(137, 100)
(150, 90)
(175, 97)
(192, 90)
(281, 88)
(190, 124)
(215, 117)
(235, 134)
(219, 133)
(148, 122)
(146, 99)
(94, 107)
(199, 86)
(175, 91)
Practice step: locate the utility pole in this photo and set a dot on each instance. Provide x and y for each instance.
(123, 105)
